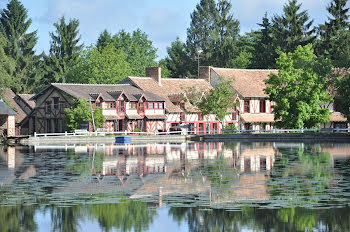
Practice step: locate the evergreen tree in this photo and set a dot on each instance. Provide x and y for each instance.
(20, 46)
(264, 54)
(104, 39)
(65, 48)
(199, 34)
(177, 61)
(293, 28)
(225, 36)
(334, 34)
(214, 31)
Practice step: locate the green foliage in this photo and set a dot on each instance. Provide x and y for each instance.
(264, 48)
(178, 61)
(214, 31)
(231, 129)
(64, 51)
(299, 89)
(334, 34)
(342, 101)
(14, 24)
(292, 29)
(105, 66)
(80, 112)
(125, 216)
(216, 101)
(139, 50)
(7, 66)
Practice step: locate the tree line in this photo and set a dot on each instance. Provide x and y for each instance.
(213, 37)
(213, 30)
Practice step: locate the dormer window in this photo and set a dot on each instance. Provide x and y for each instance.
(98, 104)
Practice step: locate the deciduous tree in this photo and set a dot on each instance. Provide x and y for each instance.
(80, 112)
(299, 89)
(105, 66)
(216, 101)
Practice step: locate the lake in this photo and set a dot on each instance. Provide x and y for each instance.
(175, 187)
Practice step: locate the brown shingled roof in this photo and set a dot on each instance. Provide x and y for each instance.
(169, 87)
(247, 82)
(337, 117)
(106, 91)
(9, 95)
(249, 118)
(26, 98)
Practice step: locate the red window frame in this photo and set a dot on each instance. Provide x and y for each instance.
(262, 106)
(246, 106)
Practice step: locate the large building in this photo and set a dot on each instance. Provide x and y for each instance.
(180, 113)
(255, 112)
(153, 103)
(125, 107)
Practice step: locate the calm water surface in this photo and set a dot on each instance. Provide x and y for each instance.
(176, 187)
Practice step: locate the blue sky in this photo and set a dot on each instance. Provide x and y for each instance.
(162, 20)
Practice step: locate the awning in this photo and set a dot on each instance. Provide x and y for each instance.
(158, 116)
(112, 117)
(133, 116)
(250, 118)
(337, 117)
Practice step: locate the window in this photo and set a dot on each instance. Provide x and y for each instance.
(160, 105)
(62, 107)
(150, 105)
(98, 104)
(262, 106)
(56, 104)
(48, 107)
(132, 105)
(246, 106)
(156, 105)
(111, 105)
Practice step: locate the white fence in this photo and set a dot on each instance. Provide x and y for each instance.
(185, 132)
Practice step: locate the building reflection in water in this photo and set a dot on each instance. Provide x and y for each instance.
(214, 173)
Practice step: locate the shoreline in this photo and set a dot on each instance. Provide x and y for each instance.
(285, 137)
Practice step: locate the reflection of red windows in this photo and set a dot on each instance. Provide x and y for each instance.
(262, 106)
(246, 106)
(247, 126)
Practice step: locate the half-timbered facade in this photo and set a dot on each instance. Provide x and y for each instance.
(125, 107)
(180, 115)
(254, 110)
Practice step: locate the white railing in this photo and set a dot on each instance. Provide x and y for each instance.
(194, 132)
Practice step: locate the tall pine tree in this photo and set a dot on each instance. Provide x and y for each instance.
(293, 28)
(215, 32)
(65, 48)
(334, 34)
(264, 51)
(20, 46)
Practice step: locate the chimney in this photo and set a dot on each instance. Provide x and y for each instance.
(155, 73)
(204, 73)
